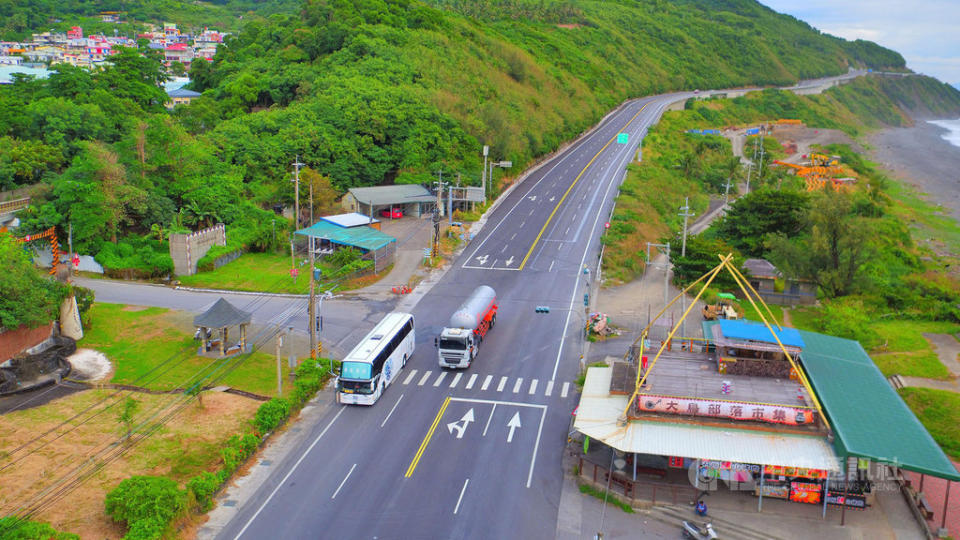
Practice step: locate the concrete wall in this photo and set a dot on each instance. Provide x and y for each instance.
(13, 342)
(187, 249)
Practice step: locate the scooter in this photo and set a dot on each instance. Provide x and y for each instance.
(695, 532)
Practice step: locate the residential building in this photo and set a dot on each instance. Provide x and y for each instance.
(10, 60)
(181, 96)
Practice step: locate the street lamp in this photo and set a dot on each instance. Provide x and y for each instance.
(502, 165)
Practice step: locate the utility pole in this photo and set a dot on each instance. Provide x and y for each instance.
(749, 170)
(296, 194)
(279, 368)
(686, 215)
(483, 173)
(293, 264)
(312, 309)
(665, 265)
(440, 185)
(726, 193)
(311, 205)
(762, 150)
(70, 237)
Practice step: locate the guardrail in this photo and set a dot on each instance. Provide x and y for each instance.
(9, 207)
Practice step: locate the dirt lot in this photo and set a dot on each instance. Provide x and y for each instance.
(187, 445)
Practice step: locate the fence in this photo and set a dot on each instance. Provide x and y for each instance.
(635, 492)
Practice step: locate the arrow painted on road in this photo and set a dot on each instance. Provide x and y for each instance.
(552, 198)
(533, 198)
(482, 259)
(513, 424)
(467, 418)
(509, 261)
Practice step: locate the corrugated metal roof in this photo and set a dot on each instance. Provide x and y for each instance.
(757, 331)
(366, 238)
(869, 419)
(396, 194)
(760, 268)
(352, 219)
(599, 410)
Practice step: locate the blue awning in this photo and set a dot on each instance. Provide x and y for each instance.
(755, 331)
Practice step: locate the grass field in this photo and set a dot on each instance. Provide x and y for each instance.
(137, 340)
(751, 314)
(939, 410)
(253, 272)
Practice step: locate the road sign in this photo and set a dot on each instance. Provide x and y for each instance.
(606, 225)
(505, 164)
(75, 260)
(622, 138)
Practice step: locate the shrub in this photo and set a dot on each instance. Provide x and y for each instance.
(203, 486)
(146, 504)
(12, 528)
(271, 414)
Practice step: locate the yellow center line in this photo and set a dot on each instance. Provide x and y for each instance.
(426, 439)
(569, 189)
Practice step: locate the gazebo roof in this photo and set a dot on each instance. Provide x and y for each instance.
(220, 315)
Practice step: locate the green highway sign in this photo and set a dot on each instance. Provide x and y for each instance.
(622, 138)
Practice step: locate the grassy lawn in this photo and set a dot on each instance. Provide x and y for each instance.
(905, 351)
(751, 314)
(137, 339)
(188, 444)
(939, 411)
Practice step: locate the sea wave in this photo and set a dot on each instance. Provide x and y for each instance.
(952, 135)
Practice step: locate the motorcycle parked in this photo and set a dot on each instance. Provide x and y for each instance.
(695, 532)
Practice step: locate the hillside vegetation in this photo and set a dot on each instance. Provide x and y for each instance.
(366, 93)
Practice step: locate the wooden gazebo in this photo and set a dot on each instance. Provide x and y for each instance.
(213, 329)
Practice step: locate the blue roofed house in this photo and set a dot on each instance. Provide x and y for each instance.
(351, 230)
(181, 96)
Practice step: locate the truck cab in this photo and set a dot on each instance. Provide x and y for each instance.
(457, 347)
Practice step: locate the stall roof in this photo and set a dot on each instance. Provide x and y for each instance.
(755, 331)
(599, 410)
(351, 219)
(868, 417)
(366, 238)
(221, 315)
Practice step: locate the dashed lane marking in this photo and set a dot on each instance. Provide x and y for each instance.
(516, 386)
(563, 391)
(470, 382)
(549, 390)
(533, 387)
(503, 382)
(443, 375)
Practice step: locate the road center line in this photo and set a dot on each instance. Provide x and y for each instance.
(289, 473)
(486, 382)
(470, 382)
(462, 491)
(410, 377)
(391, 411)
(426, 439)
(456, 379)
(344, 481)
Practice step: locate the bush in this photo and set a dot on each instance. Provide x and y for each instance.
(271, 414)
(203, 486)
(136, 256)
(12, 528)
(147, 504)
(848, 318)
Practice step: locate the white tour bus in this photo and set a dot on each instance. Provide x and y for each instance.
(376, 361)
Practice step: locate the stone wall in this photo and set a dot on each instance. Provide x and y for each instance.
(13, 342)
(187, 249)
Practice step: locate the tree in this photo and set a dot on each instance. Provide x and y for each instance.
(702, 256)
(126, 416)
(27, 298)
(135, 76)
(833, 249)
(324, 194)
(761, 213)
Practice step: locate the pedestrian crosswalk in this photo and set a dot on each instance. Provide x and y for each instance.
(531, 387)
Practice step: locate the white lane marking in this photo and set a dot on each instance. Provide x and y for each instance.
(560, 246)
(456, 379)
(505, 246)
(462, 491)
(486, 382)
(289, 474)
(514, 236)
(536, 447)
(439, 380)
(410, 377)
(471, 381)
(516, 386)
(391, 411)
(549, 389)
(513, 424)
(533, 387)
(522, 224)
(563, 391)
(503, 382)
(568, 231)
(494, 408)
(423, 380)
(344, 481)
(551, 265)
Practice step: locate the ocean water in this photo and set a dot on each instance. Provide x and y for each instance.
(952, 135)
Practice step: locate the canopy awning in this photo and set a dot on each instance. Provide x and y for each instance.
(599, 410)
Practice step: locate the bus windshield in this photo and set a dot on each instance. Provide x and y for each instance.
(356, 370)
(455, 344)
(355, 387)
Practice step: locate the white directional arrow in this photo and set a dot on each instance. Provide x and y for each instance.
(552, 198)
(482, 259)
(467, 418)
(513, 424)
(533, 198)
(509, 261)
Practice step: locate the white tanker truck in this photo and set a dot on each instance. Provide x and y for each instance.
(459, 342)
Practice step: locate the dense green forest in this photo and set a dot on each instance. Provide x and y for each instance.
(366, 93)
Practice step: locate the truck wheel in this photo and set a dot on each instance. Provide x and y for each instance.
(493, 320)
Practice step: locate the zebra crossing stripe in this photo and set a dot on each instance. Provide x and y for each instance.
(424, 379)
(503, 382)
(473, 379)
(563, 391)
(549, 389)
(456, 379)
(486, 382)
(533, 387)
(443, 375)
(516, 386)
(410, 377)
